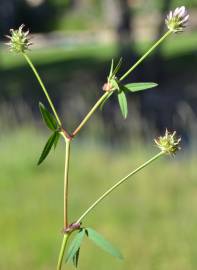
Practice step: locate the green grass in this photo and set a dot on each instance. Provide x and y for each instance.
(152, 218)
(49, 56)
(176, 45)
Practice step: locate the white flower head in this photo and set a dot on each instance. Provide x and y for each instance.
(177, 20)
(19, 40)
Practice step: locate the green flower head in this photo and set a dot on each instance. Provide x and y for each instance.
(19, 40)
(169, 143)
(177, 20)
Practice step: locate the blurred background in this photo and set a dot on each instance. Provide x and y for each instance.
(154, 219)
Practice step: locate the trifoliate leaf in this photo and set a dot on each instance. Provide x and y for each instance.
(52, 139)
(123, 103)
(74, 248)
(48, 118)
(134, 87)
(103, 243)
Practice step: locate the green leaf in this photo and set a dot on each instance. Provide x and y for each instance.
(56, 140)
(76, 258)
(111, 69)
(105, 100)
(123, 103)
(134, 87)
(74, 248)
(115, 84)
(117, 67)
(52, 139)
(48, 118)
(102, 243)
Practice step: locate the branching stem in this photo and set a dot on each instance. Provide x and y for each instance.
(87, 117)
(146, 54)
(42, 86)
(102, 197)
(66, 171)
(62, 250)
(68, 139)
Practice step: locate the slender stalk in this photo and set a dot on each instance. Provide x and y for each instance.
(105, 194)
(62, 250)
(42, 86)
(98, 103)
(146, 54)
(67, 157)
(66, 171)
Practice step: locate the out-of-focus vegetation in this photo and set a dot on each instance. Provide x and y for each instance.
(152, 218)
(174, 47)
(154, 4)
(62, 73)
(74, 64)
(73, 14)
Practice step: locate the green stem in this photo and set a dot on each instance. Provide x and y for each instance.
(42, 86)
(66, 171)
(102, 197)
(146, 54)
(98, 103)
(67, 158)
(62, 250)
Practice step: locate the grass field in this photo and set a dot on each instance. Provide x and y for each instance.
(152, 219)
(175, 46)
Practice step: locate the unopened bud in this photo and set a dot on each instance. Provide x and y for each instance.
(107, 87)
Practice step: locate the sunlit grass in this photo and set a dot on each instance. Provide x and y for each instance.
(55, 55)
(152, 218)
(174, 46)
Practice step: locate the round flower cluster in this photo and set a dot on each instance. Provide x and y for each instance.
(177, 20)
(19, 40)
(169, 143)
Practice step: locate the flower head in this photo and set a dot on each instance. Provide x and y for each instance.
(169, 143)
(177, 20)
(19, 40)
